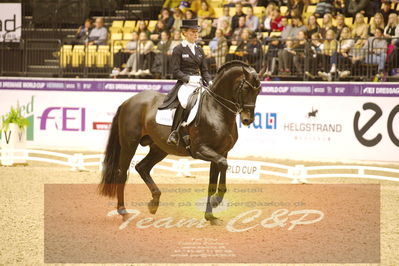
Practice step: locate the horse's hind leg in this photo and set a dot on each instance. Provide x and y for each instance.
(126, 154)
(144, 167)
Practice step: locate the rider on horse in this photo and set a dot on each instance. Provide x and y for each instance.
(189, 68)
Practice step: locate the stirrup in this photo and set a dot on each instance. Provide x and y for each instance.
(173, 138)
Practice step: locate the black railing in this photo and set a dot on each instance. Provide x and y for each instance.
(303, 61)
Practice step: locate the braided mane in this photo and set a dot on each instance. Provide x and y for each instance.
(231, 64)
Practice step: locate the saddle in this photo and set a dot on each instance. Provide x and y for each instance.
(190, 113)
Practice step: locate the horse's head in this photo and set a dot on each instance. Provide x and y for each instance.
(247, 91)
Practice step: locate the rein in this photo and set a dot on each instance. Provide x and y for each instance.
(238, 105)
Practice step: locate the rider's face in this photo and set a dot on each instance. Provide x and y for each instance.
(191, 35)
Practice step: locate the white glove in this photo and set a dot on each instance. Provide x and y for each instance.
(194, 79)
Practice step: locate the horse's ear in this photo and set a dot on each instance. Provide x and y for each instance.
(246, 72)
(262, 73)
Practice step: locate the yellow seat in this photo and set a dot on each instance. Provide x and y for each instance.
(207, 49)
(311, 9)
(129, 24)
(127, 36)
(275, 34)
(151, 25)
(65, 55)
(90, 55)
(348, 21)
(259, 11)
(232, 49)
(218, 12)
(265, 48)
(116, 36)
(283, 9)
(117, 24)
(78, 54)
(115, 30)
(265, 34)
(320, 21)
(103, 56)
(128, 30)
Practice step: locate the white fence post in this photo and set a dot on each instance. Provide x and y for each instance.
(298, 173)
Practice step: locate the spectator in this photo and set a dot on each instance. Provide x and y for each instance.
(360, 6)
(225, 27)
(252, 21)
(285, 57)
(272, 56)
(226, 16)
(343, 59)
(176, 40)
(98, 35)
(124, 54)
(167, 18)
(238, 31)
(276, 24)
(314, 57)
(207, 32)
(236, 17)
(206, 11)
(288, 29)
(298, 25)
(386, 11)
(254, 52)
(190, 14)
(323, 7)
(359, 31)
(178, 16)
(162, 56)
(377, 46)
(340, 25)
(300, 52)
(143, 28)
(295, 8)
(330, 46)
(389, 31)
(377, 22)
(140, 62)
(327, 25)
(82, 34)
(159, 28)
(267, 22)
(312, 26)
(241, 50)
(219, 48)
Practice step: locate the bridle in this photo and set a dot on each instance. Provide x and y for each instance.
(237, 102)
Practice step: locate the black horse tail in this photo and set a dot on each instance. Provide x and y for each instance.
(110, 171)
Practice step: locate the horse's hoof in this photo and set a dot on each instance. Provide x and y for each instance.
(153, 206)
(216, 221)
(215, 201)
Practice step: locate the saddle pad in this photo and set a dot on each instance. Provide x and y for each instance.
(165, 117)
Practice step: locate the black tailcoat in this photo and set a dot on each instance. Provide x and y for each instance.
(185, 64)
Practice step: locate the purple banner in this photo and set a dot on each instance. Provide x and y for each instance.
(268, 88)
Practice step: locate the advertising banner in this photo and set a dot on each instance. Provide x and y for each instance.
(348, 122)
(10, 22)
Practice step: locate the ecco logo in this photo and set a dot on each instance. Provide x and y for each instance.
(360, 132)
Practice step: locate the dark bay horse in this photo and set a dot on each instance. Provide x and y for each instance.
(234, 91)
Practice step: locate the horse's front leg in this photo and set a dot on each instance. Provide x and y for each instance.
(217, 198)
(218, 165)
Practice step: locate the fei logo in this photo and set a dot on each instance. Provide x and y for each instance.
(266, 121)
(64, 118)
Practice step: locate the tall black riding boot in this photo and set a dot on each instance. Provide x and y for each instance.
(173, 138)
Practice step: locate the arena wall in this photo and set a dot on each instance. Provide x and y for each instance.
(302, 121)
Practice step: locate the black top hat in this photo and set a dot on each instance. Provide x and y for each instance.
(190, 24)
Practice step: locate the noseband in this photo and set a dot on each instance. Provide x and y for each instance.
(238, 104)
